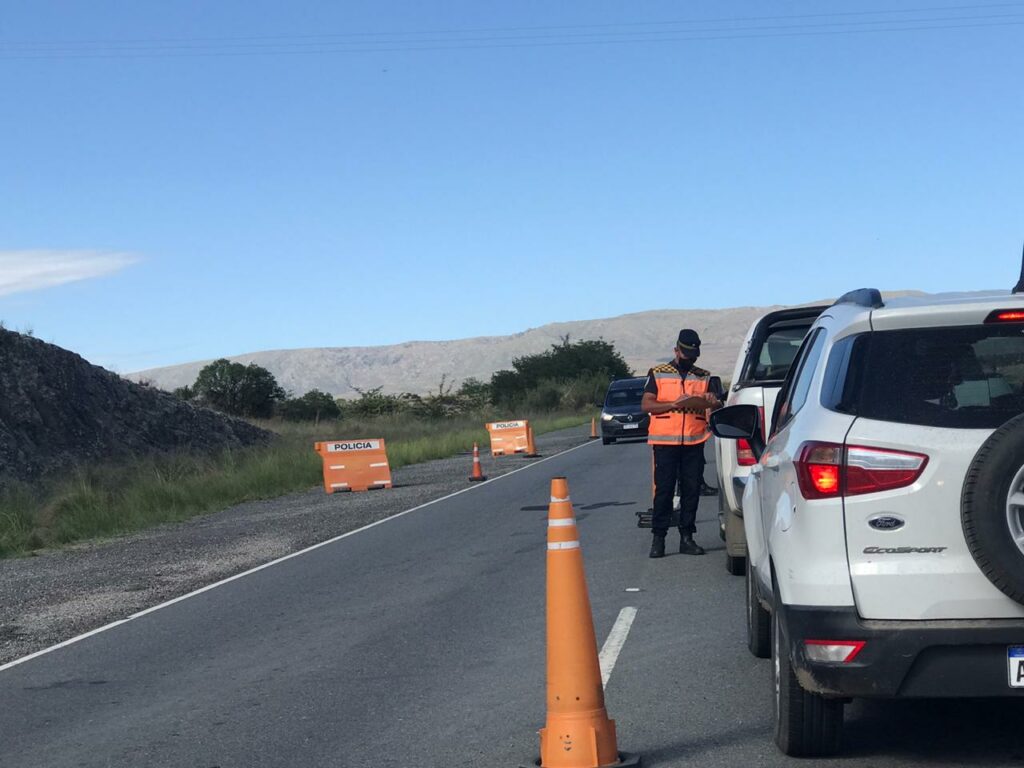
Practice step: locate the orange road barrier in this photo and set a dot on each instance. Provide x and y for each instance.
(531, 448)
(354, 465)
(478, 474)
(508, 437)
(593, 428)
(578, 732)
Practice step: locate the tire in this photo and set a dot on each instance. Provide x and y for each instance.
(806, 724)
(990, 518)
(607, 440)
(759, 622)
(736, 565)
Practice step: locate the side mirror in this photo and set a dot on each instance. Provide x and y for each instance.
(715, 387)
(737, 422)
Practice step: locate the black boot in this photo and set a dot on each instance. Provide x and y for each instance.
(687, 546)
(707, 490)
(658, 545)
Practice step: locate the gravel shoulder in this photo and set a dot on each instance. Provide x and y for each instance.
(59, 594)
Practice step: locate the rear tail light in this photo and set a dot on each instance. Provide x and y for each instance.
(745, 453)
(1006, 316)
(833, 651)
(818, 470)
(828, 470)
(870, 470)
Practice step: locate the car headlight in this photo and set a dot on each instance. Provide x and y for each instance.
(606, 417)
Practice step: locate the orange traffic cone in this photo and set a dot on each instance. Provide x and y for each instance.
(531, 448)
(593, 428)
(478, 474)
(578, 733)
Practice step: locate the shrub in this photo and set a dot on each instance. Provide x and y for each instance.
(241, 390)
(564, 362)
(312, 406)
(372, 402)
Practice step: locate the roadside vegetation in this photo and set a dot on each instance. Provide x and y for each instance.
(557, 389)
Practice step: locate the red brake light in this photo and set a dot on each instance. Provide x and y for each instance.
(829, 470)
(745, 453)
(1006, 316)
(817, 470)
(825, 478)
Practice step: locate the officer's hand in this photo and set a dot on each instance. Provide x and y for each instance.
(713, 402)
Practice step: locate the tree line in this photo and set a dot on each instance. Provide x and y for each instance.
(569, 375)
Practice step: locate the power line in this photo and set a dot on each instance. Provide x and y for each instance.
(329, 44)
(185, 43)
(620, 25)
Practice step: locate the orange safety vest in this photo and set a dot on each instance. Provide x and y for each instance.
(685, 427)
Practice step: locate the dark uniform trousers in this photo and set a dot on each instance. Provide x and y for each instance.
(682, 464)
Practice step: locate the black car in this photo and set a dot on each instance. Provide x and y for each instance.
(621, 416)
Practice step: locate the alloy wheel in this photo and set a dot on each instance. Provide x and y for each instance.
(1015, 509)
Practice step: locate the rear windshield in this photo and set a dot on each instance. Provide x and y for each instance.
(618, 397)
(968, 377)
(778, 350)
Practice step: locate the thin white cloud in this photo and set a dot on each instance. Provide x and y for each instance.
(22, 271)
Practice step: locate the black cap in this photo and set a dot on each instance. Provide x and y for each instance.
(688, 339)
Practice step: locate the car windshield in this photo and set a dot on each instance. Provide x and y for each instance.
(620, 397)
(968, 377)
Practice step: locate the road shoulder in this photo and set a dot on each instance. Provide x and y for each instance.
(56, 595)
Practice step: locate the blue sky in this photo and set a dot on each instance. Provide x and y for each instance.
(189, 180)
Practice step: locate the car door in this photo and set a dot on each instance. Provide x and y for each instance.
(805, 535)
(762, 497)
(777, 460)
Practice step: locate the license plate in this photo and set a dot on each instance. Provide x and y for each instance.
(1015, 659)
(631, 426)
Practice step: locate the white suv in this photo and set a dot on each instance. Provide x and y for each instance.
(885, 516)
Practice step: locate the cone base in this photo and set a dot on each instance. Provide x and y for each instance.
(477, 479)
(626, 760)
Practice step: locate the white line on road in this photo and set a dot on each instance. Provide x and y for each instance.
(237, 576)
(613, 645)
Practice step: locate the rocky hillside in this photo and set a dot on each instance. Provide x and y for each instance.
(56, 409)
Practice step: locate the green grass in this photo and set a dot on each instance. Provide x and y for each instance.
(112, 499)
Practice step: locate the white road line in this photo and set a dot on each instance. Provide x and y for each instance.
(237, 576)
(613, 645)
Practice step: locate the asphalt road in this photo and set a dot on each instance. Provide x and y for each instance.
(420, 642)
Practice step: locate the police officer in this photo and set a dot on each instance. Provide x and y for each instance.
(678, 398)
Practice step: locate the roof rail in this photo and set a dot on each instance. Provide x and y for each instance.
(862, 297)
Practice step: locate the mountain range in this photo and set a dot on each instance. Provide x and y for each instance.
(643, 339)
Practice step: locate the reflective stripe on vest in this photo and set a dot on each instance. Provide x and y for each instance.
(679, 427)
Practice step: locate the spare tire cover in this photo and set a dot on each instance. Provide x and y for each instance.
(992, 508)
